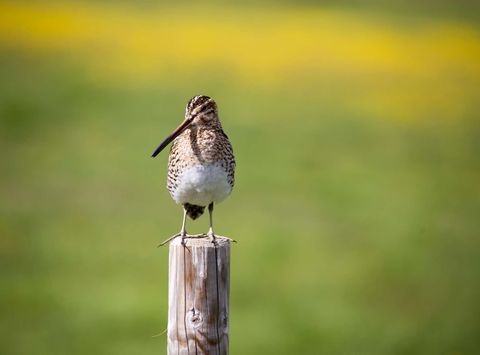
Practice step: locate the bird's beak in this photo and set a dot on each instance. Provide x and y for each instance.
(171, 137)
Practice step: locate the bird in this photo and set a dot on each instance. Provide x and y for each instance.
(201, 163)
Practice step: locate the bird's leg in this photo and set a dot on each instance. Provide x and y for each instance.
(210, 233)
(183, 232)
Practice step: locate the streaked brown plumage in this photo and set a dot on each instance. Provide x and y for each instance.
(201, 164)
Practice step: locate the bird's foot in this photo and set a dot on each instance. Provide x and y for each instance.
(227, 238)
(184, 236)
(213, 237)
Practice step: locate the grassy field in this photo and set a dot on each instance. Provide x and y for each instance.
(357, 200)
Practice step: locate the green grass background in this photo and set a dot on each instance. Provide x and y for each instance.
(356, 235)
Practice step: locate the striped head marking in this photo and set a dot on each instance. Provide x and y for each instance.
(201, 109)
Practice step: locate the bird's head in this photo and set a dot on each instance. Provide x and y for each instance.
(200, 111)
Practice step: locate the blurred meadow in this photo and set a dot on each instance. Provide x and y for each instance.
(357, 203)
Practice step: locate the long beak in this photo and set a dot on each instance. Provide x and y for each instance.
(171, 137)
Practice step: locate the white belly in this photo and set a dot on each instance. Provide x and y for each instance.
(200, 185)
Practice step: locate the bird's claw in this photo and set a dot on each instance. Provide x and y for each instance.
(170, 239)
(184, 237)
(212, 237)
(227, 238)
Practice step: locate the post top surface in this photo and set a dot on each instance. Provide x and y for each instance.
(204, 242)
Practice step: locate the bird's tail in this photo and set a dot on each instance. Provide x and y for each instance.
(194, 211)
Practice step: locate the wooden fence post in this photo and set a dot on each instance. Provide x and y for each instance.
(198, 297)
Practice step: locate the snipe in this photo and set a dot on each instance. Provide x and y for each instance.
(201, 164)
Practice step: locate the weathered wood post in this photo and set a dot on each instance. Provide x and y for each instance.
(198, 297)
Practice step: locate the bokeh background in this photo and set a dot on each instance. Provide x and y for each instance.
(357, 203)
